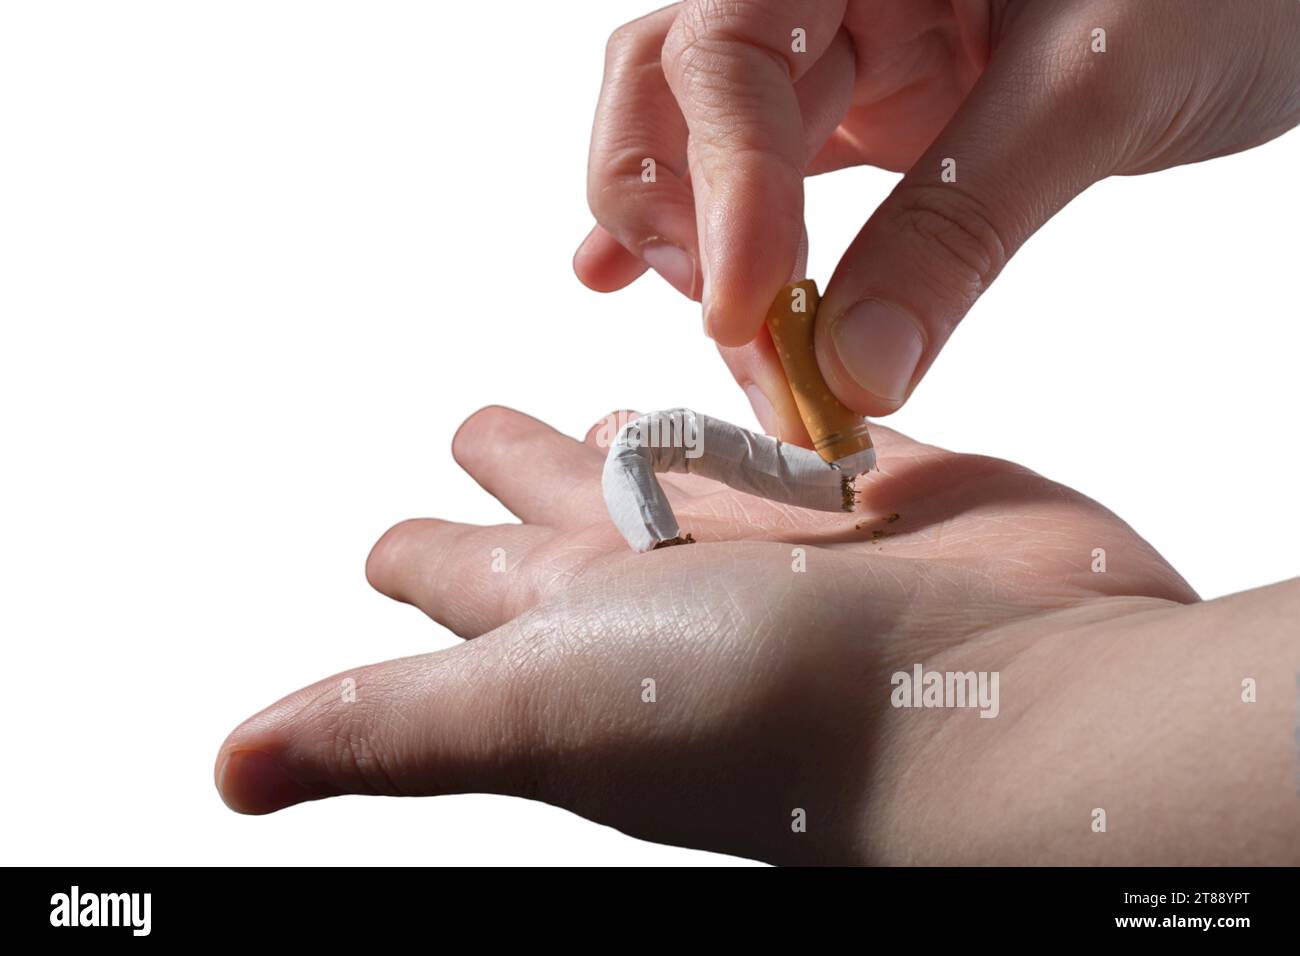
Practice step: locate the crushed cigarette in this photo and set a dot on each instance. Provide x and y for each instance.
(675, 441)
(686, 442)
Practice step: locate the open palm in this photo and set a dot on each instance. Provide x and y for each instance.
(707, 694)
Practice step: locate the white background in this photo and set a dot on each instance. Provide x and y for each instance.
(238, 243)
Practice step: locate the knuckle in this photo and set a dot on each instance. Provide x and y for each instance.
(619, 42)
(973, 247)
(1087, 85)
(686, 57)
(626, 43)
(355, 754)
(616, 187)
(1069, 79)
(721, 39)
(699, 49)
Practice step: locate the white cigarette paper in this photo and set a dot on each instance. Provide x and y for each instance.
(682, 441)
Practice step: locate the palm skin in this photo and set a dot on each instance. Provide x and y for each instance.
(771, 683)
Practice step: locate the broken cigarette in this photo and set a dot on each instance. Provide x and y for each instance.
(680, 440)
(839, 434)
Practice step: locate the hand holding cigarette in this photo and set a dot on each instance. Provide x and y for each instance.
(739, 694)
(999, 111)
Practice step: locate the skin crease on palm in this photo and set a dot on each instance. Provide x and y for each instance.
(1118, 690)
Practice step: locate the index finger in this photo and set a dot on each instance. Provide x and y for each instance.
(733, 69)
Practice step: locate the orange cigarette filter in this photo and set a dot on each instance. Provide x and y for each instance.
(839, 434)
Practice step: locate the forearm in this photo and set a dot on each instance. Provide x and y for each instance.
(1134, 708)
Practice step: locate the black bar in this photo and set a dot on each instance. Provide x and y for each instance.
(334, 905)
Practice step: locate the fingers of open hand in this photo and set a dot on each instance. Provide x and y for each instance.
(473, 578)
(469, 578)
(542, 476)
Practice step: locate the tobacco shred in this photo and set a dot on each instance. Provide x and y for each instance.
(849, 494)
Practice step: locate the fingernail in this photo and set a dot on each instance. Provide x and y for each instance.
(880, 346)
(763, 410)
(673, 263)
(251, 781)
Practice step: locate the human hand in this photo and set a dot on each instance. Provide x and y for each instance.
(772, 683)
(1012, 92)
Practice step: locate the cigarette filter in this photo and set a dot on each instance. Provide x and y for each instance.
(838, 433)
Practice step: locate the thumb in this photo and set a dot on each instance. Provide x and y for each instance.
(1028, 139)
(454, 721)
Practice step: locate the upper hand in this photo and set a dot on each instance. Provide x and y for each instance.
(1014, 93)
